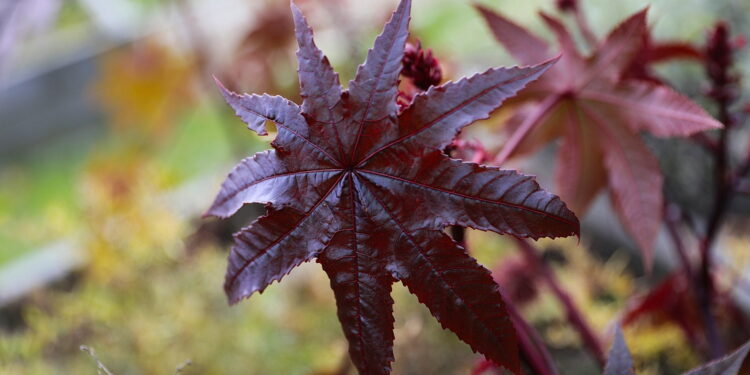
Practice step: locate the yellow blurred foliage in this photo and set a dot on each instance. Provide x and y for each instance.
(145, 87)
(601, 289)
(147, 306)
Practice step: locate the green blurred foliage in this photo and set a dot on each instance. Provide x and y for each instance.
(41, 190)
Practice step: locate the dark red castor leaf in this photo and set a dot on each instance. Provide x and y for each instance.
(367, 191)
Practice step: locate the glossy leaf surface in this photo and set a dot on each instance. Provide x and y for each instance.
(367, 191)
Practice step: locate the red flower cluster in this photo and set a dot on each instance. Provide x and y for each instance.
(567, 5)
(419, 65)
(719, 59)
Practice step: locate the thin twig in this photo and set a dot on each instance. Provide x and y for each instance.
(178, 370)
(100, 368)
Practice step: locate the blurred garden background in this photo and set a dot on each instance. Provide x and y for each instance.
(114, 140)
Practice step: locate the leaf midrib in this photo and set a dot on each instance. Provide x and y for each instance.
(469, 197)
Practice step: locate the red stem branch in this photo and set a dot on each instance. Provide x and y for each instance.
(574, 315)
(583, 25)
(718, 61)
(533, 350)
(531, 346)
(672, 215)
(525, 128)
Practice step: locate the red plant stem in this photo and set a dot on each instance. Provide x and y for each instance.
(705, 288)
(742, 171)
(531, 346)
(525, 128)
(583, 25)
(718, 61)
(672, 216)
(533, 350)
(706, 142)
(573, 313)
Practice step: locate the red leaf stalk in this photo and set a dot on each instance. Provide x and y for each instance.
(525, 128)
(533, 350)
(672, 215)
(718, 60)
(574, 315)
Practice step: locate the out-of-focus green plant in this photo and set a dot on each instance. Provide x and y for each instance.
(147, 306)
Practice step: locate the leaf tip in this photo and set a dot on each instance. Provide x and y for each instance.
(404, 8)
(545, 65)
(637, 20)
(640, 18)
(221, 86)
(619, 359)
(480, 8)
(715, 124)
(299, 19)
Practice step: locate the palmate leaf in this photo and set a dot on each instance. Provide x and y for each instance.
(590, 104)
(367, 191)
